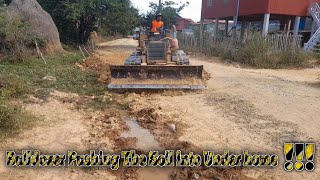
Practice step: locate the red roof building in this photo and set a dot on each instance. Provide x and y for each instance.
(184, 23)
(228, 8)
(291, 14)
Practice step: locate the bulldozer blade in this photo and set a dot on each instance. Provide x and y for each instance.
(156, 77)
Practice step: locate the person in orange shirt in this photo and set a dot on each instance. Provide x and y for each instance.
(157, 24)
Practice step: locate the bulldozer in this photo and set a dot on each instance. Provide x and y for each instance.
(157, 63)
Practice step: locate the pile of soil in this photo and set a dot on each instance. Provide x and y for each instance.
(206, 76)
(102, 68)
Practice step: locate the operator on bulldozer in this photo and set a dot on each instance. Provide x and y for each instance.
(157, 24)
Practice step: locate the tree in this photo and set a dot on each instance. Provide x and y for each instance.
(169, 9)
(76, 19)
(4, 2)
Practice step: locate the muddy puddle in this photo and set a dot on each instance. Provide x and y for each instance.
(145, 140)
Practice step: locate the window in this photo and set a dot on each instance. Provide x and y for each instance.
(209, 2)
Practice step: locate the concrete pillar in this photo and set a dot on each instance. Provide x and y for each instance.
(243, 28)
(234, 28)
(227, 27)
(285, 28)
(201, 33)
(248, 29)
(296, 25)
(289, 27)
(266, 23)
(216, 31)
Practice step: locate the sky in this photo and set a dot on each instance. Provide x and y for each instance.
(193, 11)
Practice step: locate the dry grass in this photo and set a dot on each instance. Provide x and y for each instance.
(254, 52)
(13, 119)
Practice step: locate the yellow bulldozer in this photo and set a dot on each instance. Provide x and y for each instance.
(157, 63)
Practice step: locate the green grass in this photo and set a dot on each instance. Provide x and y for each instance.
(28, 76)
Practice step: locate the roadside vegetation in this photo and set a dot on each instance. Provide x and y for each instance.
(76, 19)
(24, 73)
(34, 77)
(254, 52)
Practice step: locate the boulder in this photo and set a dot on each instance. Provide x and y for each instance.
(41, 22)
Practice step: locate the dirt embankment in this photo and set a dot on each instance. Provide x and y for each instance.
(111, 53)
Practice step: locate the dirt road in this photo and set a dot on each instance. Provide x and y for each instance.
(241, 109)
(245, 109)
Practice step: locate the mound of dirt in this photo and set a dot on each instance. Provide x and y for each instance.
(206, 76)
(102, 68)
(148, 117)
(42, 24)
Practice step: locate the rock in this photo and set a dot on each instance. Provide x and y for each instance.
(112, 120)
(49, 78)
(94, 118)
(173, 127)
(103, 79)
(196, 176)
(41, 22)
(80, 67)
(99, 123)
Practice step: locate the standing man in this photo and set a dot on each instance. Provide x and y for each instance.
(157, 24)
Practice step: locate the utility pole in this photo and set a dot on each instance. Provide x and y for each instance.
(237, 15)
(160, 6)
(235, 21)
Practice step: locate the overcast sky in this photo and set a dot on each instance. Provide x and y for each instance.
(193, 11)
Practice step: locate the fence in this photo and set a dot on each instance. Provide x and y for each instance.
(275, 42)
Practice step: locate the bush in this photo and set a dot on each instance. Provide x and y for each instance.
(13, 120)
(12, 87)
(256, 52)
